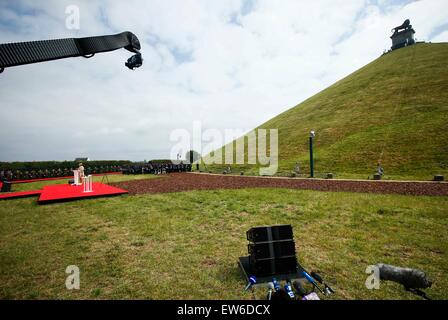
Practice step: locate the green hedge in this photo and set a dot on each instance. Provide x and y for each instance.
(42, 165)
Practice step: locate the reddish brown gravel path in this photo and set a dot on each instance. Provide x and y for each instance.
(190, 181)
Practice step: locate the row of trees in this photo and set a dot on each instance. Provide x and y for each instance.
(13, 171)
(47, 165)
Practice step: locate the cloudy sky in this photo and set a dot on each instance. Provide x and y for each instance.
(231, 64)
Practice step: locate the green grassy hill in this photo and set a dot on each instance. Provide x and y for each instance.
(394, 109)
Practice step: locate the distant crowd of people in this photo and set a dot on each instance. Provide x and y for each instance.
(141, 168)
(31, 174)
(156, 168)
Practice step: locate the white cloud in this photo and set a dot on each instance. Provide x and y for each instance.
(204, 60)
(441, 37)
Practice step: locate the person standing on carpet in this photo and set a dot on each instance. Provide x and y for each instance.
(81, 171)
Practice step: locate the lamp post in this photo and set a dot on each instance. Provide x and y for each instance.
(312, 135)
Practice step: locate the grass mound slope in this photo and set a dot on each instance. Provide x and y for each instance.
(393, 110)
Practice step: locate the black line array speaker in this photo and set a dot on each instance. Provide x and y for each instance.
(272, 267)
(272, 250)
(273, 233)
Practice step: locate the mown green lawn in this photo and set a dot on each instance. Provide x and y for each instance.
(186, 245)
(255, 171)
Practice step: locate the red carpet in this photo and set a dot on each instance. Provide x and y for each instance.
(66, 192)
(21, 194)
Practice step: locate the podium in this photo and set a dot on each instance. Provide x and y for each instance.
(76, 178)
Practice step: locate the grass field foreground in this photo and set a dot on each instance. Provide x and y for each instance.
(186, 245)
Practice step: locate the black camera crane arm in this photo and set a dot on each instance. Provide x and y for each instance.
(21, 53)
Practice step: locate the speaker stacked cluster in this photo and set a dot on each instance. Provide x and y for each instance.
(272, 250)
